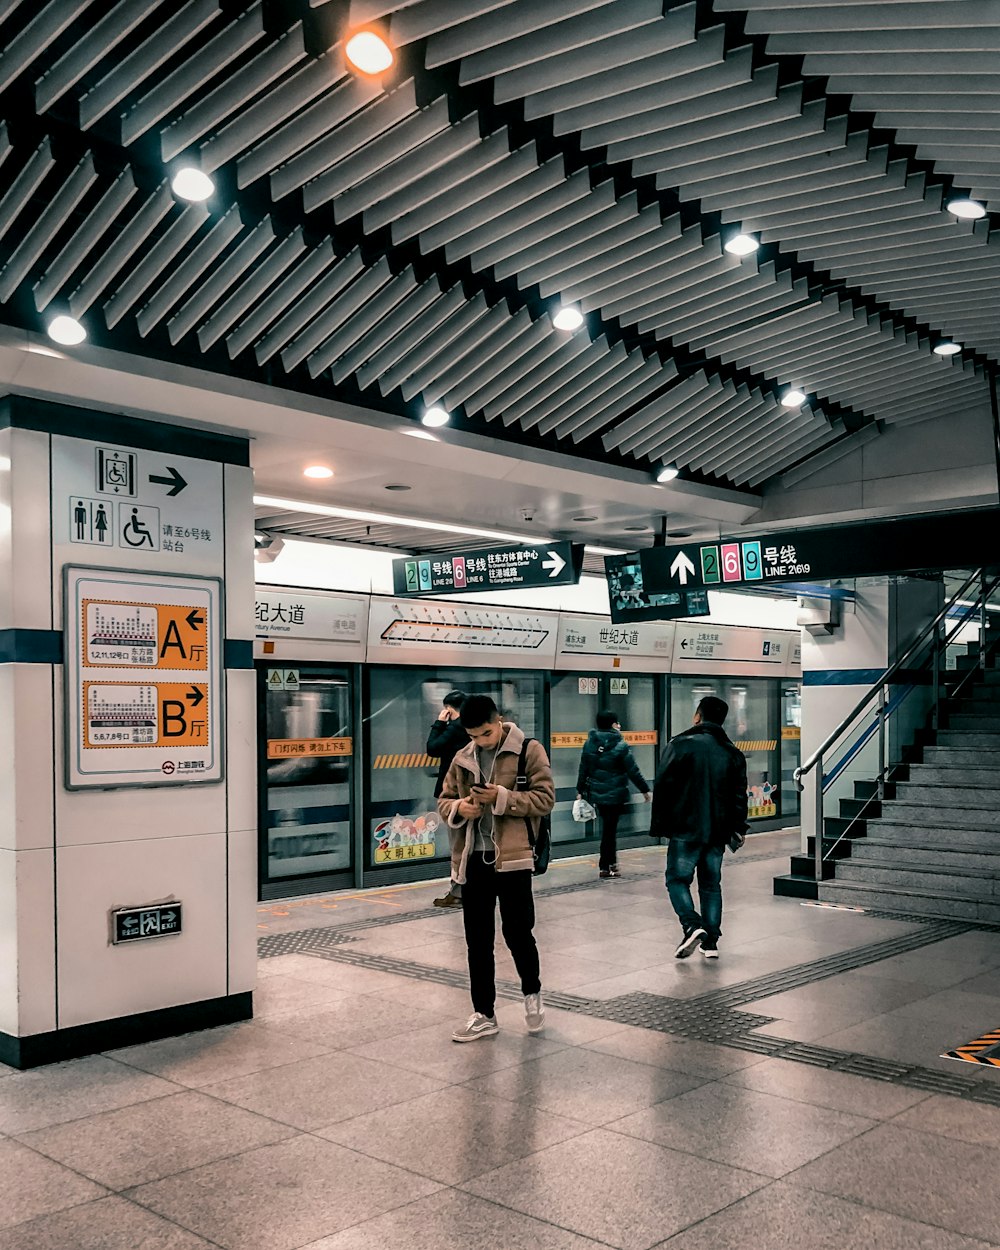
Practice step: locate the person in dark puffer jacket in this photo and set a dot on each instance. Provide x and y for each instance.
(606, 767)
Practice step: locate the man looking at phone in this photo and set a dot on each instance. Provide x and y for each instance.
(488, 805)
(445, 739)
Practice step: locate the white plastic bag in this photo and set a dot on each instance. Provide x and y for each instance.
(582, 811)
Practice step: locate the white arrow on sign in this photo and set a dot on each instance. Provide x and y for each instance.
(557, 564)
(682, 567)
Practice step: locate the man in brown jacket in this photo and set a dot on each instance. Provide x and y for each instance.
(491, 858)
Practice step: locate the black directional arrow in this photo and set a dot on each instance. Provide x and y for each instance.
(194, 618)
(174, 481)
(684, 643)
(194, 696)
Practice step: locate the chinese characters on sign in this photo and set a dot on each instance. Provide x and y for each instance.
(548, 564)
(143, 678)
(303, 614)
(306, 748)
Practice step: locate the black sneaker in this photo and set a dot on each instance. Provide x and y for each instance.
(614, 871)
(605, 873)
(449, 900)
(692, 939)
(710, 948)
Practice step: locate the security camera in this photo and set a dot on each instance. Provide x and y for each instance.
(267, 548)
(527, 514)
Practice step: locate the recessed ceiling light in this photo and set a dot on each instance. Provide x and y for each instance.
(679, 533)
(966, 210)
(667, 473)
(793, 398)
(191, 184)
(947, 349)
(741, 245)
(583, 519)
(317, 471)
(435, 417)
(369, 52)
(398, 486)
(424, 434)
(568, 319)
(66, 330)
(636, 529)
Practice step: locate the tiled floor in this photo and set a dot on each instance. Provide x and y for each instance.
(343, 1118)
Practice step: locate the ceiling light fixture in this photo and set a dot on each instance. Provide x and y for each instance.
(582, 520)
(947, 348)
(667, 473)
(793, 398)
(191, 184)
(568, 318)
(383, 518)
(66, 330)
(398, 486)
(435, 417)
(369, 52)
(741, 245)
(966, 210)
(603, 551)
(424, 434)
(318, 471)
(636, 529)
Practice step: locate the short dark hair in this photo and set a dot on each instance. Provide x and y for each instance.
(478, 709)
(713, 710)
(455, 699)
(606, 720)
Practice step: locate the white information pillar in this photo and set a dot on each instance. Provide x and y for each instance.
(839, 668)
(128, 817)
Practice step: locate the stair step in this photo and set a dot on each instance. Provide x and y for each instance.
(958, 883)
(869, 789)
(832, 848)
(938, 857)
(869, 808)
(894, 898)
(922, 815)
(790, 886)
(948, 774)
(904, 830)
(835, 827)
(974, 723)
(966, 739)
(958, 797)
(957, 757)
(804, 866)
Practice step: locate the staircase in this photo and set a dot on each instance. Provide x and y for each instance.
(932, 845)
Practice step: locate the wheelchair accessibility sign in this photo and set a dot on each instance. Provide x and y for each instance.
(139, 527)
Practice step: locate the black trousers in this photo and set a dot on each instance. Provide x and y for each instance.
(484, 888)
(610, 817)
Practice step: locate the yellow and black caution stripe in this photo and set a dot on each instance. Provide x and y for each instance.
(985, 1050)
(757, 744)
(414, 760)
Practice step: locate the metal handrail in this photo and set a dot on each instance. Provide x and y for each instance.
(929, 634)
(887, 676)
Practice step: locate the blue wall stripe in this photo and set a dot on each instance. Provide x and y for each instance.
(237, 653)
(31, 646)
(45, 646)
(842, 676)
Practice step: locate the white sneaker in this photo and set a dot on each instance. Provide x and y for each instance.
(534, 1012)
(475, 1027)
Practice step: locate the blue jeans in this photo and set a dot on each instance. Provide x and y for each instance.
(682, 862)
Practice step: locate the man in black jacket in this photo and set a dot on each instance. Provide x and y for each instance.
(445, 740)
(700, 804)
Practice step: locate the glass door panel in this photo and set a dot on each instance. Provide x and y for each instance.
(752, 724)
(404, 703)
(307, 772)
(791, 753)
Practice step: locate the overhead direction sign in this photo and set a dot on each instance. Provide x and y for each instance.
(631, 601)
(873, 548)
(514, 567)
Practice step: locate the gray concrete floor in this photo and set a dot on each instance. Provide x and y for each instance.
(343, 1118)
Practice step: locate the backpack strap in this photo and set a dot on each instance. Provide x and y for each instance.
(521, 783)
